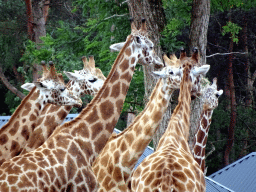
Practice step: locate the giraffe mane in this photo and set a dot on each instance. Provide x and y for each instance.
(106, 82)
(20, 107)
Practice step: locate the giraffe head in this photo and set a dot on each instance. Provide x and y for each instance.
(211, 95)
(89, 80)
(52, 88)
(141, 46)
(173, 71)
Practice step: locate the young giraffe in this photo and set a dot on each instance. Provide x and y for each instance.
(89, 80)
(49, 89)
(63, 162)
(114, 164)
(210, 99)
(172, 167)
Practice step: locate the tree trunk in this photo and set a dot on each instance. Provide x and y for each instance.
(31, 34)
(198, 38)
(9, 85)
(153, 12)
(231, 129)
(38, 10)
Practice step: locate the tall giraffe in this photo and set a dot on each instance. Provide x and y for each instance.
(122, 151)
(210, 102)
(172, 167)
(63, 162)
(49, 89)
(89, 80)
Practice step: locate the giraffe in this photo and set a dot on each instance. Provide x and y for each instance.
(49, 89)
(89, 80)
(64, 161)
(210, 102)
(172, 167)
(122, 151)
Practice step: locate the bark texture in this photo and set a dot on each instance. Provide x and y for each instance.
(153, 12)
(198, 38)
(231, 128)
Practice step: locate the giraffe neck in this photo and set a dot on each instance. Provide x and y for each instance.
(178, 126)
(95, 124)
(51, 117)
(132, 140)
(16, 132)
(201, 136)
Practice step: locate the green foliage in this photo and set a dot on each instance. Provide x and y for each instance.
(232, 28)
(178, 17)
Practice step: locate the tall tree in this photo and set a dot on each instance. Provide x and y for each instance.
(198, 38)
(152, 11)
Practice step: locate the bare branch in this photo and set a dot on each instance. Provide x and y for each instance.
(225, 54)
(9, 85)
(254, 76)
(115, 15)
(210, 152)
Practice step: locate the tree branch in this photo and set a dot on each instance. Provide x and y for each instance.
(9, 85)
(115, 15)
(225, 54)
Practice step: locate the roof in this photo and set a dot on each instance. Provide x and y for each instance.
(211, 185)
(240, 175)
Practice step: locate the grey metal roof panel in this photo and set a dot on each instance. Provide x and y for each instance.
(240, 175)
(212, 186)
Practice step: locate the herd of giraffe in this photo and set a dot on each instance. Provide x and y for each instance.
(39, 153)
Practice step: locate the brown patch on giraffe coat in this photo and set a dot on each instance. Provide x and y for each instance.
(32, 117)
(3, 139)
(180, 175)
(104, 160)
(128, 52)
(124, 88)
(62, 114)
(123, 146)
(108, 183)
(87, 149)
(117, 175)
(60, 155)
(71, 168)
(12, 179)
(24, 182)
(197, 150)
(15, 128)
(79, 178)
(178, 185)
(93, 116)
(200, 136)
(124, 65)
(4, 187)
(25, 132)
(82, 130)
(105, 92)
(127, 76)
(61, 173)
(107, 109)
(96, 129)
(114, 77)
(15, 146)
(157, 116)
(115, 90)
(50, 143)
(116, 156)
(57, 183)
(75, 152)
(32, 177)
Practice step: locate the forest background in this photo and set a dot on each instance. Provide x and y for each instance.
(63, 31)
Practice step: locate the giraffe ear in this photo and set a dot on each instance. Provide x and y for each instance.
(116, 46)
(75, 76)
(201, 70)
(159, 74)
(28, 86)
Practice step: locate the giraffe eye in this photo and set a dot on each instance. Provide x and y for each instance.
(138, 39)
(217, 95)
(93, 80)
(63, 89)
(171, 72)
